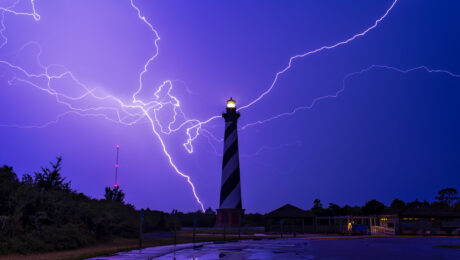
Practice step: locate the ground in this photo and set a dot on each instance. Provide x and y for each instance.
(310, 247)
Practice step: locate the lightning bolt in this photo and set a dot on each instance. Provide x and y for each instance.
(326, 47)
(126, 113)
(10, 10)
(136, 110)
(343, 87)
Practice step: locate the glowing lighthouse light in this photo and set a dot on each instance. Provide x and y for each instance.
(230, 211)
(231, 103)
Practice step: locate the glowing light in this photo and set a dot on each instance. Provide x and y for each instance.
(132, 112)
(137, 110)
(231, 103)
(127, 113)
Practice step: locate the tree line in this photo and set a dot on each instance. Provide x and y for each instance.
(447, 199)
(40, 213)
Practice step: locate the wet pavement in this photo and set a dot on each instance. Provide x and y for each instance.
(327, 248)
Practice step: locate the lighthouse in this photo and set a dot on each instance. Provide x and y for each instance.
(230, 212)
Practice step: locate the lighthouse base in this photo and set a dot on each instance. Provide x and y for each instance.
(229, 217)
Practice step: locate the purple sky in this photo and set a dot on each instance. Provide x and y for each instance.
(389, 132)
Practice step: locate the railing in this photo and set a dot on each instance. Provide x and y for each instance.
(383, 230)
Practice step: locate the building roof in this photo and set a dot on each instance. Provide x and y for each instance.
(423, 212)
(428, 212)
(288, 211)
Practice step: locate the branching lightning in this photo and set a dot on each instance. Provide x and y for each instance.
(136, 110)
(342, 89)
(127, 114)
(325, 47)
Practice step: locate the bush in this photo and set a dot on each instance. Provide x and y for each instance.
(42, 213)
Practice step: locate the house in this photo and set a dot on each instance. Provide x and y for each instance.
(288, 219)
(417, 220)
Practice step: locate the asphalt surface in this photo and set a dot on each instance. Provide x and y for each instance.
(323, 248)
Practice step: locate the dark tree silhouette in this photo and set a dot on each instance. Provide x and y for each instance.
(50, 179)
(115, 194)
(318, 208)
(350, 211)
(418, 204)
(397, 204)
(317, 204)
(373, 207)
(334, 209)
(447, 196)
(27, 179)
(8, 183)
(41, 213)
(209, 211)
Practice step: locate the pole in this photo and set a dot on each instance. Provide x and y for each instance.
(239, 226)
(225, 226)
(175, 229)
(194, 227)
(281, 227)
(116, 168)
(140, 228)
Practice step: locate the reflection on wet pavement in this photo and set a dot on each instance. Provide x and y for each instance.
(330, 248)
(263, 249)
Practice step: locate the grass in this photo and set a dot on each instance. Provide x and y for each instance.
(185, 236)
(121, 245)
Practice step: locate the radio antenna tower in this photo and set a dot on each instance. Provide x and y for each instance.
(116, 169)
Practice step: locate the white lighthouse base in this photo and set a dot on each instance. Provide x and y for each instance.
(229, 217)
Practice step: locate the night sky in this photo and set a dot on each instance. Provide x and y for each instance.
(392, 131)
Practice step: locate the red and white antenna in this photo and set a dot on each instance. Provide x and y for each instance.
(116, 169)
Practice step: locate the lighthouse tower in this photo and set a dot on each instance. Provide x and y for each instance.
(230, 212)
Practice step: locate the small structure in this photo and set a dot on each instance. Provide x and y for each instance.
(417, 220)
(342, 224)
(410, 220)
(289, 219)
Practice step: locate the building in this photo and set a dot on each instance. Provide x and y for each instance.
(417, 220)
(410, 220)
(230, 212)
(290, 219)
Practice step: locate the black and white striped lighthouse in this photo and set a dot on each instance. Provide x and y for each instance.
(230, 210)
